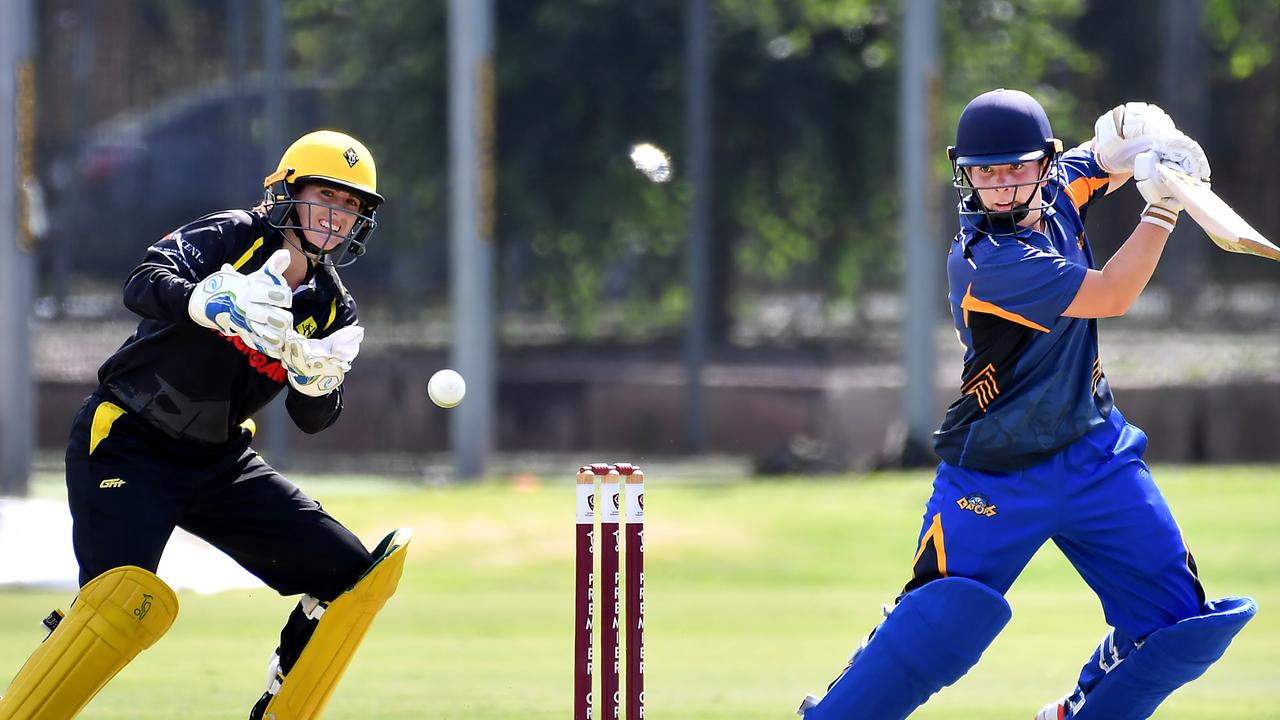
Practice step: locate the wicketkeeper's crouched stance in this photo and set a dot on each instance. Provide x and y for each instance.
(1034, 450)
(236, 306)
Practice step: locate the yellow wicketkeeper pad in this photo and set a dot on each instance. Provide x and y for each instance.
(117, 615)
(307, 687)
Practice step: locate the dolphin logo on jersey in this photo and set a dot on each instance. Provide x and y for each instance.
(977, 502)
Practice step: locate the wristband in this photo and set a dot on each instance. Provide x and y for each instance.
(1160, 216)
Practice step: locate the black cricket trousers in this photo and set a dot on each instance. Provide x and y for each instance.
(138, 483)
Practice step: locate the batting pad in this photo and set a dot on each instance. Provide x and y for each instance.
(307, 687)
(117, 615)
(930, 640)
(1168, 659)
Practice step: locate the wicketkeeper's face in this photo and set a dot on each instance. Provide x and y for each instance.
(329, 215)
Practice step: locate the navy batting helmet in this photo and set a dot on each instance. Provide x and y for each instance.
(1001, 127)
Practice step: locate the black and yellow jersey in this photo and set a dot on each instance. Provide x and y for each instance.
(198, 384)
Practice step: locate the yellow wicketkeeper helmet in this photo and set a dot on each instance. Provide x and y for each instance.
(331, 158)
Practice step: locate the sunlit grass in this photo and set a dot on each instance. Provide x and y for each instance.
(756, 592)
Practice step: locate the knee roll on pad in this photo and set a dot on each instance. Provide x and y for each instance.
(117, 615)
(306, 689)
(1168, 659)
(930, 640)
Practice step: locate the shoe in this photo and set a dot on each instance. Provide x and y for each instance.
(809, 702)
(274, 678)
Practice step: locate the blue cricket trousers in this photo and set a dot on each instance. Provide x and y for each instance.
(1096, 501)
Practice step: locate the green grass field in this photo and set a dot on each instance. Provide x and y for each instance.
(756, 592)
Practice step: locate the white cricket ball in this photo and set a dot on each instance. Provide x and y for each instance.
(446, 388)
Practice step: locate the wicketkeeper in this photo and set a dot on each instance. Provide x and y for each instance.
(235, 307)
(1034, 449)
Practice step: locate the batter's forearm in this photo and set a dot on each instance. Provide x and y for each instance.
(1111, 291)
(1131, 268)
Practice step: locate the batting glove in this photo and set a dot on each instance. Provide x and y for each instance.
(1173, 150)
(1162, 206)
(318, 367)
(252, 307)
(1178, 151)
(1126, 130)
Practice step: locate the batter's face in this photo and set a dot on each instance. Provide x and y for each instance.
(1004, 187)
(330, 215)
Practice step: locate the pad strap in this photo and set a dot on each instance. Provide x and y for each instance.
(1127, 681)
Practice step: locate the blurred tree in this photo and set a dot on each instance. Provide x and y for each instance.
(1244, 113)
(1244, 31)
(1243, 110)
(803, 129)
(388, 70)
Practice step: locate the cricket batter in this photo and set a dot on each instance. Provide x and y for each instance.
(1034, 449)
(235, 307)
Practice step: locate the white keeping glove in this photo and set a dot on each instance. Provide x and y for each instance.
(1126, 130)
(318, 367)
(252, 307)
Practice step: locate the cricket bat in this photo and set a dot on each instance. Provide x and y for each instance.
(1223, 225)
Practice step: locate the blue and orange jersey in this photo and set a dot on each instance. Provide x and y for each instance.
(1032, 381)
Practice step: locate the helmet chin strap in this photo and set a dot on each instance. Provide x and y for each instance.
(314, 253)
(311, 250)
(1018, 213)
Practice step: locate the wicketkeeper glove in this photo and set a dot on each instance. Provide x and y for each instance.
(1126, 130)
(318, 367)
(252, 307)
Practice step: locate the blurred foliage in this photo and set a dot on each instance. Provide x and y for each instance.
(1025, 45)
(804, 123)
(804, 116)
(1244, 31)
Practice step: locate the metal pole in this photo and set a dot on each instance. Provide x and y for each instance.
(275, 86)
(237, 47)
(1185, 95)
(923, 250)
(471, 217)
(82, 80)
(698, 89)
(17, 127)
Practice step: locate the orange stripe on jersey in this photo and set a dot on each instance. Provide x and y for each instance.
(1083, 188)
(971, 303)
(934, 533)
